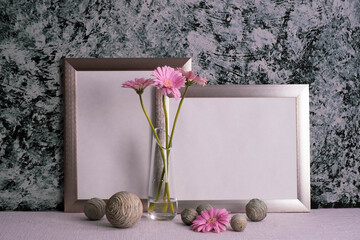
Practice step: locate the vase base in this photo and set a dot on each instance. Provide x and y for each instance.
(161, 216)
(162, 211)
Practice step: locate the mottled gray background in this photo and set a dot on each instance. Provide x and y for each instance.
(231, 42)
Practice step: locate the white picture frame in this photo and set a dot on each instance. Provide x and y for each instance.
(198, 158)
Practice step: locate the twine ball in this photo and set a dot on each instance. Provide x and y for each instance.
(94, 208)
(188, 215)
(238, 223)
(203, 207)
(256, 210)
(124, 209)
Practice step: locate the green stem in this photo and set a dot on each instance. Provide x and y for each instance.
(165, 205)
(160, 184)
(168, 144)
(177, 114)
(150, 123)
(168, 196)
(152, 205)
(167, 191)
(167, 138)
(166, 122)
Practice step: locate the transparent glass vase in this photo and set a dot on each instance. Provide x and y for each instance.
(162, 203)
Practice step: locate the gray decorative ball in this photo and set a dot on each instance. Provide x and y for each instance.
(124, 209)
(203, 207)
(256, 210)
(94, 208)
(188, 215)
(238, 223)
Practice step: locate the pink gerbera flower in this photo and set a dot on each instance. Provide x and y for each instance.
(191, 78)
(169, 81)
(213, 219)
(200, 80)
(188, 74)
(139, 84)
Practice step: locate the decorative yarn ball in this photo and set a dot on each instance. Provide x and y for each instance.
(256, 210)
(238, 223)
(94, 208)
(188, 215)
(203, 207)
(124, 209)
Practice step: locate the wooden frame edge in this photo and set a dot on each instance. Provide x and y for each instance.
(301, 93)
(70, 68)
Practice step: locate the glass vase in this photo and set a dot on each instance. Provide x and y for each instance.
(162, 203)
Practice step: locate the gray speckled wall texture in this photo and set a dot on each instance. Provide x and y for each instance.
(231, 42)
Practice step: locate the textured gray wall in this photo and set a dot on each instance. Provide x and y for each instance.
(231, 42)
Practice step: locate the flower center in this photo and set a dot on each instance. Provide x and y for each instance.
(168, 83)
(211, 220)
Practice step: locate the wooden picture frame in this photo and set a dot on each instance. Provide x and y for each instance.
(73, 66)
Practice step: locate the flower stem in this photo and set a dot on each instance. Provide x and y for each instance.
(168, 144)
(160, 184)
(168, 197)
(150, 123)
(166, 166)
(152, 205)
(166, 122)
(177, 114)
(165, 205)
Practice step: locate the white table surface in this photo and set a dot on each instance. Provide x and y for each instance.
(319, 224)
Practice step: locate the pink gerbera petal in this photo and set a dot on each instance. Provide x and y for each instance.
(201, 228)
(169, 80)
(199, 221)
(223, 221)
(211, 212)
(205, 214)
(191, 77)
(222, 227)
(212, 219)
(139, 84)
(176, 93)
(216, 228)
(200, 80)
(222, 211)
(207, 228)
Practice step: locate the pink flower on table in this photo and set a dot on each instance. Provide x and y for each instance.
(191, 78)
(139, 84)
(213, 219)
(169, 81)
